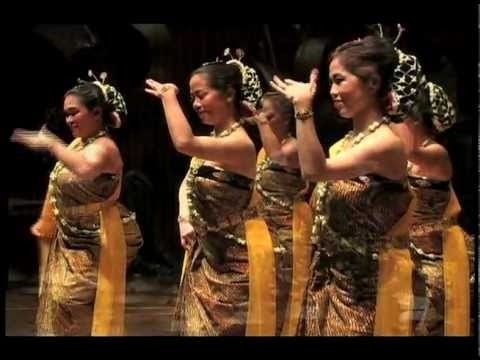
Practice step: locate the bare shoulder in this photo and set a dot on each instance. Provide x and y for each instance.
(435, 162)
(243, 142)
(388, 152)
(105, 152)
(385, 141)
(439, 151)
(107, 146)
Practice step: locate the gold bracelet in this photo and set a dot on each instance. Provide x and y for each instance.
(304, 115)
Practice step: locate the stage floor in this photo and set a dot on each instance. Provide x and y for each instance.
(149, 308)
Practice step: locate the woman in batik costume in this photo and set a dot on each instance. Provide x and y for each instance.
(439, 247)
(361, 199)
(281, 190)
(213, 198)
(88, 238)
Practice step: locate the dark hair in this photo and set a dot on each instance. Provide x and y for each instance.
(284, 106)
(368, 56)
(91, 96)
(422, 111)
(224, 78)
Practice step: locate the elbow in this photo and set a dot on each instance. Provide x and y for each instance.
(183, 146)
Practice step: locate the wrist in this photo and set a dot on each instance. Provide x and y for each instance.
(261, 121)
(52, 146)
(300, 104)
(303, 114)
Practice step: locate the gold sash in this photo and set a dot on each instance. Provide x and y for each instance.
(456, 274)
(261, 318)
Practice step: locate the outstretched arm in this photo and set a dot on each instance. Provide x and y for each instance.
(228, 151)
(86, 164)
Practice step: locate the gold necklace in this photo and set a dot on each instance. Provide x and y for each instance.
(361, 135)
(228, 131)
(91, 139)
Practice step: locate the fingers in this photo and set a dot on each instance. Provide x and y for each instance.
(262, 117)
(152, 83)
(278, 83)
(278, 87)
(183, 242)
(313, 80)
(314, 76)
(291, 82)
(151, 92)
(187, 235)
(20, 136)
(35, 231)
(153, 87)
(158, 89)
(187, 241)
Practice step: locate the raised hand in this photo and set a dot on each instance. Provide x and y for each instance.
(160, 90)
(298, 92)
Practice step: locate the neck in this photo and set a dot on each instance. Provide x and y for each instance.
(94, 135)
(420, 137)
(224, 126)
(362, 121)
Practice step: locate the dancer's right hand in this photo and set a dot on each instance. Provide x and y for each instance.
(187, 234)
(160, 90)
(35, 140)
(35, 229)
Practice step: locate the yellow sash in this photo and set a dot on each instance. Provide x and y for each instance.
(456, 274)
(302, 248)
(261, 318)
(109, 308)
(394, 307)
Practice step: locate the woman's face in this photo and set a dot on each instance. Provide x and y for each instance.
(350, 94)
(82, 122)
(211, 105)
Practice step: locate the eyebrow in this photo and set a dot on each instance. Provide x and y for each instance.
(336, 75)
(196, 91)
